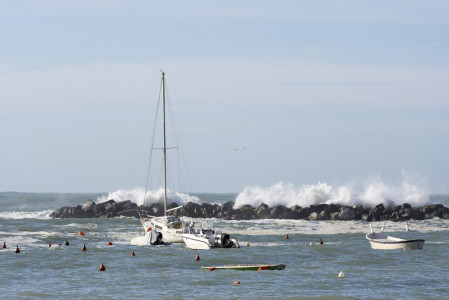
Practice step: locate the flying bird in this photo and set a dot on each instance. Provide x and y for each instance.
(240, 150)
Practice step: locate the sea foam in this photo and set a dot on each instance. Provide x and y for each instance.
(137, 196)
(369, 194)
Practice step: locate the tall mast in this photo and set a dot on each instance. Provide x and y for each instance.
(165, 146)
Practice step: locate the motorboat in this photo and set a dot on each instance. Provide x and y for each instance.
(385, 242)
(202, 236)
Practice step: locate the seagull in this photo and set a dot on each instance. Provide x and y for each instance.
(240, 150)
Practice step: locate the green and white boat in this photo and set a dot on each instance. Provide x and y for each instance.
(246, 267)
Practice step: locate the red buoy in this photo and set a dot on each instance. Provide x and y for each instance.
(84, 247)
(17, 249)
(197, 256)
(81, 233)
(236, 282)
(102, 267)
(4, 245)
(109, 244)
(133, 254)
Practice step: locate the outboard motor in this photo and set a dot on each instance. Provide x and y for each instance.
(226, 241)
(159, 240)
(156, 238)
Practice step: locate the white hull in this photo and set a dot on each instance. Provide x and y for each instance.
(378, 241)
(169, 226)
(195, 242)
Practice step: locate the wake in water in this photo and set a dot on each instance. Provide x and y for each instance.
(372, 193)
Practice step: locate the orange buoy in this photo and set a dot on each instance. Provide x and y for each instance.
(321, 242)
(84, 247)
(286, 236)
(236, 282)
(211, 269)
(197, 256)
(102, 267)
(109, 244)
(263, 268)
(4, 245)
(133, 254)
(17, 249)
(81, 232)
(149, 229)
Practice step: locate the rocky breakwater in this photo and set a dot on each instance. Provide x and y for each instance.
(320, 212)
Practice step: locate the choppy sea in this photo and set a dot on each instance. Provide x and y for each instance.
(170, 272)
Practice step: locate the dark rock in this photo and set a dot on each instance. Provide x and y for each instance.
(110, 209)
(263, 211)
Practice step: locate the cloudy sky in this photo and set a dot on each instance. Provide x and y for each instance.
(317, 91)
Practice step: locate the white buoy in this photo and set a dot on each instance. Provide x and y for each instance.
(341, 274)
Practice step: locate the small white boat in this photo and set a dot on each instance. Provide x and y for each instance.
(202, 236)
(385, 242)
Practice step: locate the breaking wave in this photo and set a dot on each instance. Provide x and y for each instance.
(137, 196)
(369, 195)
(45, 214)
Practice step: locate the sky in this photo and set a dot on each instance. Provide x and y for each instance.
(315, 91)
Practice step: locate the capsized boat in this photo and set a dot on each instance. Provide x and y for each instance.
(247, 267)
(385, 242)
(203, 236)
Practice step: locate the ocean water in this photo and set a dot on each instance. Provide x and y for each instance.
(40, 271)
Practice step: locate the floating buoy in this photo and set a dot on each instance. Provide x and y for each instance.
(149, 229)
(4, 245)
(109, 244)
(341, 274)
(84, 247)
(102, 267)
(236, 282)
(133, 254)
(286, 236)
(66, 242)
(17, 249)
(81, 233)
(320, 242)
(197, 256)
(211, 269)
(49, 245)
(263, 268)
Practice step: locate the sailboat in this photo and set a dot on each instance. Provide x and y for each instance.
(171, 227)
